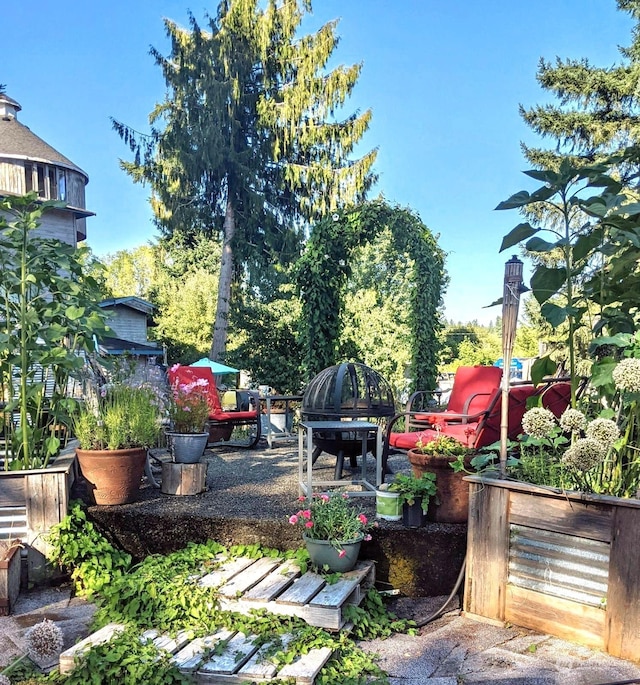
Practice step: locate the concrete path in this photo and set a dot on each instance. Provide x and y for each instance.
(450, 651)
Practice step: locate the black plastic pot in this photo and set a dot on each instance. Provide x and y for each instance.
(412, 514)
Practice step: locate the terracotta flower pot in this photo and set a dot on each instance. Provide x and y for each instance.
(451, 504)
(113, 475)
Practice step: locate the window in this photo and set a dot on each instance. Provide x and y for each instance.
(49, 181)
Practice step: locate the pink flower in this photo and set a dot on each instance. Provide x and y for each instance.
(324, 498)
(363, 519)
(306, 514)
(302, 498)
(308, 524)
(174, 368)
(342, 553)
(293, 519)
(345, 495)
(367, 537)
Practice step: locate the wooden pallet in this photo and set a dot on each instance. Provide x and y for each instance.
(241, 585)
(239, 660)
(244, 584)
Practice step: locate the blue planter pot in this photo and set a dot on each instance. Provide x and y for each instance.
(322, 554)
(187, 448)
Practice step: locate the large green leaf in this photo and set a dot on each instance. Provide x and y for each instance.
(585, 244)
(546, 282)
(601, 372)
(539, 245)
(544, 175)
(519, 233)
(519, 199)
(545, 366)
(554, 314)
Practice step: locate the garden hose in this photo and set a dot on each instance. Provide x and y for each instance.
(440, 611)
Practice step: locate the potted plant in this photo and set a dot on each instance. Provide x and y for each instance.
(332, 530)
(451, 503)
(189, 413)
(415, 493)
(114, 430)
(9, 574)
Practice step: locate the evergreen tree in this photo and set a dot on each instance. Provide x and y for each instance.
(598, 108)
(247, 143)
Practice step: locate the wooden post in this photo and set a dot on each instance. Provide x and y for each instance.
(183, 479)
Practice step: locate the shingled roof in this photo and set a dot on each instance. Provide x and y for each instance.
(17, 141)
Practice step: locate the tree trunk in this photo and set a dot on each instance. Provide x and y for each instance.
(219, 342)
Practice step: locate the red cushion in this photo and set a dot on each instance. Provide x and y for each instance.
(463, 433)
(233, 415)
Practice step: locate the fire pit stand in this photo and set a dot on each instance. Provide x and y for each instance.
(365, 431)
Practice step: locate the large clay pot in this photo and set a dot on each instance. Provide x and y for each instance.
(451, 504)
(323, 553)
(113, 476)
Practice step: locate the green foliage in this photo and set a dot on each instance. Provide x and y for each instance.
(125, 417)
(323, 271)
(264, 340)
(49, 313)
(411, 488)
(246, 143)
(161, 593)
(94, 562)
(126, 659)
(565, 198)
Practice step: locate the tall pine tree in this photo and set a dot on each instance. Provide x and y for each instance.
(248, 143)
(597, 109)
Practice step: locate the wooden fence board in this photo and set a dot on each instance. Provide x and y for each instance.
(623, 599)
(223, 574)
(302, 590)
(561, 516)
(557, 616)
(306, 668)
(487, 551)
(189, 657)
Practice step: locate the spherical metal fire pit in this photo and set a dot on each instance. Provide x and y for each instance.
(347, 391)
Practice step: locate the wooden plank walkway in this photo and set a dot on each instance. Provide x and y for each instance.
(241, 585)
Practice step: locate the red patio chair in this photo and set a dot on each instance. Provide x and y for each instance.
(217, 417)
(481, 432)
(472, 391)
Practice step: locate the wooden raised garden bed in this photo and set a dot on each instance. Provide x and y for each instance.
(560, 563)
(34, 500)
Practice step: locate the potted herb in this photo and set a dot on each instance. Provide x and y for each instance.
(332, 530)
(415, 493)
(114, 430)
(189, 413)
(451, 504)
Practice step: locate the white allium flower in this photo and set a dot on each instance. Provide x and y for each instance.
(538, 422)
(336, 217)
(44, 639)
(626, 375)
(605, 431)
(572, 420)
(584, 454)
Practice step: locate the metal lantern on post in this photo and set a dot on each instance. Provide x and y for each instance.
(513, 286)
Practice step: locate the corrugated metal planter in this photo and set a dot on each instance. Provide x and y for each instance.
(9, 578)
(34, 500)
(567, 564)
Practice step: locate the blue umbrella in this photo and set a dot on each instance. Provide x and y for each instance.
(216, 367)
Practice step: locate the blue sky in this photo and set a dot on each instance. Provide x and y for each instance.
(444, 81)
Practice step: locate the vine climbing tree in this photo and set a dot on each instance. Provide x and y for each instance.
(323, 271)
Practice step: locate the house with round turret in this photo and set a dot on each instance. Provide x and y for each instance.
(29, 164)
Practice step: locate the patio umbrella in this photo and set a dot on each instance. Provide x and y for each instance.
(510, 303)
(216, 367)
